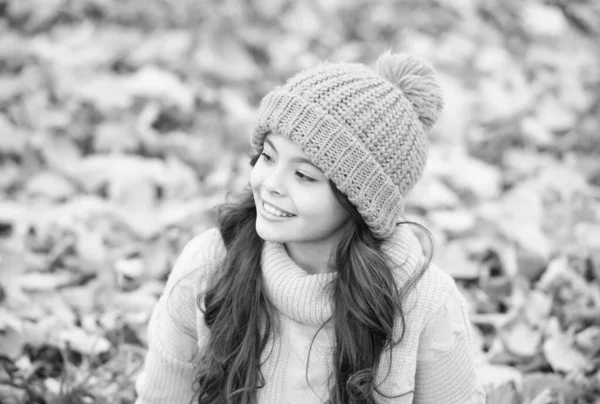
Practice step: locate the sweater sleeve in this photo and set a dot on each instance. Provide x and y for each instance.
(171, 364)
(445, 369)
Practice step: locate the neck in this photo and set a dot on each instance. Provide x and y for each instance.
(314, 258)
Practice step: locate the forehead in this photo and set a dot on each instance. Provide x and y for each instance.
(284, 146)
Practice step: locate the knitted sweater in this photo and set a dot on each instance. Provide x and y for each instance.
(432, 363)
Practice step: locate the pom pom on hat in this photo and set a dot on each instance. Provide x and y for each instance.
(417, 79)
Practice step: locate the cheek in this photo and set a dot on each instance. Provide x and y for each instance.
(327, 210)
(256, 176)
(336, 212)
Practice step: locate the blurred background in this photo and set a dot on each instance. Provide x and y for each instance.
(123, 122)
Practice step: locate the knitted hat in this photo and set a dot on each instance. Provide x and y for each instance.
(364, 129)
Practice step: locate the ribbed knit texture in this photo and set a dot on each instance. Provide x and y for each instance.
(364, 130)
(177, 332)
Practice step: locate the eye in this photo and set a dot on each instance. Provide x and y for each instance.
(305, 177)
(266, 156)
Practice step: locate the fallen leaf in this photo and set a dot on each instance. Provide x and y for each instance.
(83, 342)
(137, 301)
(57, 306)
(36, 14)
(270, 10)
(225, 59)
(537, 308)
(506, 393)
(554, 115)
(451, 164)
(116, 137)
(45, 281)
(589, 340)
(456, 262)
(10, 394)
(521, 339)
(11, 339)
(535, 133)
(106, 92)
(431, 193)
(10, 88)
(82, 297)
(50, 186)
(178, 180)
(544, 20)
(168, 47)
(504, 380)
(159, 84)
(90, 249)
(10, 174)
(13, 139)
(454, 222)
(518, 215)
(560, 351)
(499, 102)
(130, 267)
(561, 280)
(458, 116)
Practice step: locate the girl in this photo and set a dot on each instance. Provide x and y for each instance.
(311, 289)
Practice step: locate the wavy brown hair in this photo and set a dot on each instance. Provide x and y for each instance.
(367, 304)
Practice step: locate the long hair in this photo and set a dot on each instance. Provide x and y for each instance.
(366, 302)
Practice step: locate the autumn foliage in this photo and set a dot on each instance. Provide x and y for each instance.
(123, 122)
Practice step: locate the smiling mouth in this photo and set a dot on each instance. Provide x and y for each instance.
(274, 211)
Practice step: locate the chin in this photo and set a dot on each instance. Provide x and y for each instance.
(270, 234)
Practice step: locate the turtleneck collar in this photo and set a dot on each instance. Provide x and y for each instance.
(306, 298)
(303, 297)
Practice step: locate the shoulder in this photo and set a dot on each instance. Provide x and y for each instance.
(198, 259)
(189, 277)
(407, 259)
(436, 286)
(205, 246)
(433, 288)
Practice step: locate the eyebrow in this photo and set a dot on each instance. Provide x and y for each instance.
(294, 159)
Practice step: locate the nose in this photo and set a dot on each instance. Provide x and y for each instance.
(274, 183)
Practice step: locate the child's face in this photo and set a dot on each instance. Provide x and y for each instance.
(294, 201)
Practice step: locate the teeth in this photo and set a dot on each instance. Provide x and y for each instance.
(274, 211)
